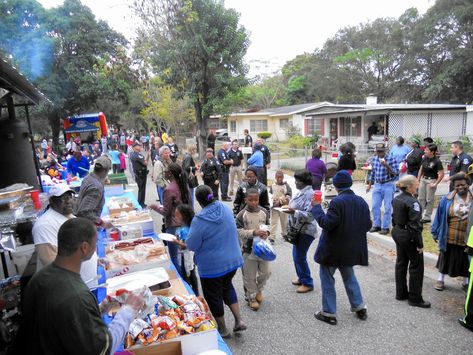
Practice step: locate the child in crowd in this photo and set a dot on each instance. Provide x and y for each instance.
(184, 216)
(122, 158)
(115, 155)
(282, 193)
(255, 270)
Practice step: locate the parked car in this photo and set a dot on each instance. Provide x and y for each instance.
(221, 134)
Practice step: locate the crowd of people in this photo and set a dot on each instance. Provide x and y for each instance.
(214, 243)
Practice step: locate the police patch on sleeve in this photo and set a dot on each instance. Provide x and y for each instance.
(416, 207)
(465, 161)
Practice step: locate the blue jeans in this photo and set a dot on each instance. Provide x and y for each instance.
(160, 193)
(329, 295)
(299, 255)
(383, 192)
(173, 248)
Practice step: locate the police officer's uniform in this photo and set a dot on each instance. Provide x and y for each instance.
(459, 163)
(225, 173)
(407, 233)
(211, 170)
(267, 160)
(141, 172)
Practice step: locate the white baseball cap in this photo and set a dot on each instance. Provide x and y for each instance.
(59, 190)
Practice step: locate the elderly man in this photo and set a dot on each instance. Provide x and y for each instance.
(160, 167)
(225, 162)
(46, 228)
(342, 245)
(140, 169)
(92, 193)
(60, 314)
(383, 174)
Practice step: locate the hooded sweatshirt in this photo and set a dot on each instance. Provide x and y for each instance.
(213, 237)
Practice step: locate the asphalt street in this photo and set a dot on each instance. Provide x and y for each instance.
(285, 323)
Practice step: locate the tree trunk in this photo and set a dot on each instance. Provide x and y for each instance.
(55, 123)
(201, 123)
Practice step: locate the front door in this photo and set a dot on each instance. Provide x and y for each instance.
(333, 131)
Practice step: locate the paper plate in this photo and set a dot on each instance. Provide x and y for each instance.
(167, 237)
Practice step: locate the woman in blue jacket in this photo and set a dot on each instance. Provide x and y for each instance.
(213, 237)
(449, 230)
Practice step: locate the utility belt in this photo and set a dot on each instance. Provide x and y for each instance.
(401, 226)
(210, 176)
(428, 178)
(384, 182)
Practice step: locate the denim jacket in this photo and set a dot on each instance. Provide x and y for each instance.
(302, 203)
(440, 226)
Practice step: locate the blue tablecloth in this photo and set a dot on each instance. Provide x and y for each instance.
(102, 292)
(127, 194)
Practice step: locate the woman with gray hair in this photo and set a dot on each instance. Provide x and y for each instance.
(303, 228)
(160, 167)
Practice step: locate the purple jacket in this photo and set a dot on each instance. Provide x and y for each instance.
(316, 167)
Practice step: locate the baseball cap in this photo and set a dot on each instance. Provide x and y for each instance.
(59, 190)
(380, 147)
(104, 162)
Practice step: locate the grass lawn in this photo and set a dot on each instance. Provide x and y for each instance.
(429, 244)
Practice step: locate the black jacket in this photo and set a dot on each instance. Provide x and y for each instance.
(414, 159)
(239, 203)
(407, 214)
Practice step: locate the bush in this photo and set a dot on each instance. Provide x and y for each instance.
(292, 130)
(264, 135)
(300, 142)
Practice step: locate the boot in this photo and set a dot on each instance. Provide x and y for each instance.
(222, 327)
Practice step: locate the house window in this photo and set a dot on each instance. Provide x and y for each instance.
(233, 126)
(314, 126)
(258, 125)
(350, 126)
(283, 122)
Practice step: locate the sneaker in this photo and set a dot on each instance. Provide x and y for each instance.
(254, 305)
(375, 229)
(421, 304)
(439, 286)
(362, 314)
(259, 297)
(328, 320)
(296, 282)
(226, 198)
(304, 289)
(239, 327)
(384, 231)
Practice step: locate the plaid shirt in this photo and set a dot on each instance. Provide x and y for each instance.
(379, 173)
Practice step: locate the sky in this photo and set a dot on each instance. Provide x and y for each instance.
(279, 29)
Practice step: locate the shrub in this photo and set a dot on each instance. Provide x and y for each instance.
(264, 135)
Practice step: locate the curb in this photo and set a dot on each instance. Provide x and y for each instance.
(388, 243)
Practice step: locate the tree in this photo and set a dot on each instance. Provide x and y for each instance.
(445, 49)
(163, 110)
(197, 47)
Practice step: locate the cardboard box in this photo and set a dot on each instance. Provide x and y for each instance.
(190, 344)
(177, 286)
(172, 348)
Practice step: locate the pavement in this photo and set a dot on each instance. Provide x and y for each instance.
(285, 323)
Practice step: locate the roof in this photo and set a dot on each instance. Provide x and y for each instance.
(283, 110)
(13, 81)
(388, 107)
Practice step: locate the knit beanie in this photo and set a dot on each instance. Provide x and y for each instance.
(342, 180)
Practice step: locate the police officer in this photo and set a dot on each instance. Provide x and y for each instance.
(225, 163)
(267, 160)
(140, 169)
(460, 161)
(211, 171)
(407, 234)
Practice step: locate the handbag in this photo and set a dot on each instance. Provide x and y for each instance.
(192, 181)
(293, 233)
